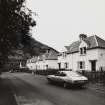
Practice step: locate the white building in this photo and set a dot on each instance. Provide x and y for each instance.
(45, 61)
(86, 54)
(31, 63)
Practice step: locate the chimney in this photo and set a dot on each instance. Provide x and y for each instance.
(82, 37)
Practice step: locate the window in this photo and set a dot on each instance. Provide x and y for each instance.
(81, 65)
(83, 50)
(59, 65)
(60, 74)
(64, 54)
(66, 65)
(46, 66)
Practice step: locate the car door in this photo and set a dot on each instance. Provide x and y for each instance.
(56, 77)
(62, 77)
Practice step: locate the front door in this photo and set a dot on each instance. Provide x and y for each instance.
(93, 65)
(59, 65)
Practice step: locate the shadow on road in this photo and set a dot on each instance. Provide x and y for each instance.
(69, 87)
(6, 96)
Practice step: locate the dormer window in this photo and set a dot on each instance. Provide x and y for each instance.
(83, 50)
(64, 54)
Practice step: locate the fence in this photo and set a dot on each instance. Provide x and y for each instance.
(46, 72)
(96, 76)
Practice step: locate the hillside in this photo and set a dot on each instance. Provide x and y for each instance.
(42, 47)
(33, 48)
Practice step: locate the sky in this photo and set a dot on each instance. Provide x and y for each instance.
(59, 22)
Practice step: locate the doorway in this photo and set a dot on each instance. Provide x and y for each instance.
(93, 65)
(59, 66)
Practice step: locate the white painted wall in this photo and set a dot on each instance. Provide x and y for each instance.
(52, 64)
(101, 58)
(31, 66)
(83, 44)
(74, 58)
(41, 65)
(63, 60)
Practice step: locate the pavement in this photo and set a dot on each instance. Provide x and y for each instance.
(6, 95)
(97, 87)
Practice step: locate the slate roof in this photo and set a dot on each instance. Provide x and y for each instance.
(74, 46)
(92, 42)
(40, 58)
(101, 42)
(51, 56)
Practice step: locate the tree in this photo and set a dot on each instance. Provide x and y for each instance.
(15, 23)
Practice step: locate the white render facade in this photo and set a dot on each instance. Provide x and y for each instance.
(43, 62)
(92, 58)
(43, 65)
(46, 64)
(31, 63)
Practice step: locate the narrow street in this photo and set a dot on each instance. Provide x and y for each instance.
(35, 90)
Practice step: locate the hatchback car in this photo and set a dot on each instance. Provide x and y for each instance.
(68, 78)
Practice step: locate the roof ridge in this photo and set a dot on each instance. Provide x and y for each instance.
(101, 40)
(96, 40)
(99, 37)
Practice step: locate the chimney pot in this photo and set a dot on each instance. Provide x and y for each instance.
(82, 37)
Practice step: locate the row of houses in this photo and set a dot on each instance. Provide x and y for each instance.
(88, 53)
(44, 61)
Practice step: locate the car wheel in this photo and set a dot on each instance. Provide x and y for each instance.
(65, 85)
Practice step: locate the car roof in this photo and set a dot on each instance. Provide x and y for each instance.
(70, 72)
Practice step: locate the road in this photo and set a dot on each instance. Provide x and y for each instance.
(34, 90)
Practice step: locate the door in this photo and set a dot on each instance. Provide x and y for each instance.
(59, 65)
(46, 66)
(93, 65)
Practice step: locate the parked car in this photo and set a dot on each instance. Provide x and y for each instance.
(68, 78)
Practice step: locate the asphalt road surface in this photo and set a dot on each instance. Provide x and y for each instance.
(34, 90)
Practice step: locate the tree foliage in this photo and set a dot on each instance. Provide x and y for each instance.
(15, 23)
